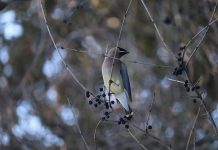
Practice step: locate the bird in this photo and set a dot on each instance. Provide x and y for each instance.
(116, 80)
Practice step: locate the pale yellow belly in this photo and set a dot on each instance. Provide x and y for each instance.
(116, 86)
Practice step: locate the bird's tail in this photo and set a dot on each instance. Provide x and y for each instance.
(122, 98)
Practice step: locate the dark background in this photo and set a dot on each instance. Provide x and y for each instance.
(35, 86)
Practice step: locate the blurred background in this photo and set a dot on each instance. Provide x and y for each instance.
(35, 86)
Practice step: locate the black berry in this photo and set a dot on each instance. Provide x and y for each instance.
(106, 113)
(194, 101)
(149, 127)
(179, 59)
(87, 94)
(167, 20)
(193, 88)
(197, 87)
(187, 89)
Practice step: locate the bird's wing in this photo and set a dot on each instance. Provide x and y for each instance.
(125, 78)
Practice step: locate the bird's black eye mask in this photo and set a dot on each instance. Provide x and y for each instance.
(123, 51)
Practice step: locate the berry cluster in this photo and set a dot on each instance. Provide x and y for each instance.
(190, 87)
(187, 86)
(178, 70)
(98, 100)
(123, 121)
(106, 115)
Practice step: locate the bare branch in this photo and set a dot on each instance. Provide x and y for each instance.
(155, 26)
(62, 59)
(197, 34)
(99, 122)
(78, 127)
(207, 28)
(119, 38)
(192, 129)
(153, 137)
(204, 105)
(149, 112)
(176, 80)
(140, 144)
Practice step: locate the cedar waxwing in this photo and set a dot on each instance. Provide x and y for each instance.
(120, 86)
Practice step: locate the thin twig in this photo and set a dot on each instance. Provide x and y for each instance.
(207, 28)
(178, 81)
(196, 35)
(99, 122)
(119, 38)
(126, 60)
(189, 78)
(149, 112)
(155, 26)
(140, 144)
(62, 59)
(148, 64)
(153, 137)
(193, 126)
(194, 142)
(78, 127)
(203, 104)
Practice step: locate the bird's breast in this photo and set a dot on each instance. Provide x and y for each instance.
(117, 83)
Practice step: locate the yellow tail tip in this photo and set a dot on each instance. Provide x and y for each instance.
(129, 115)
